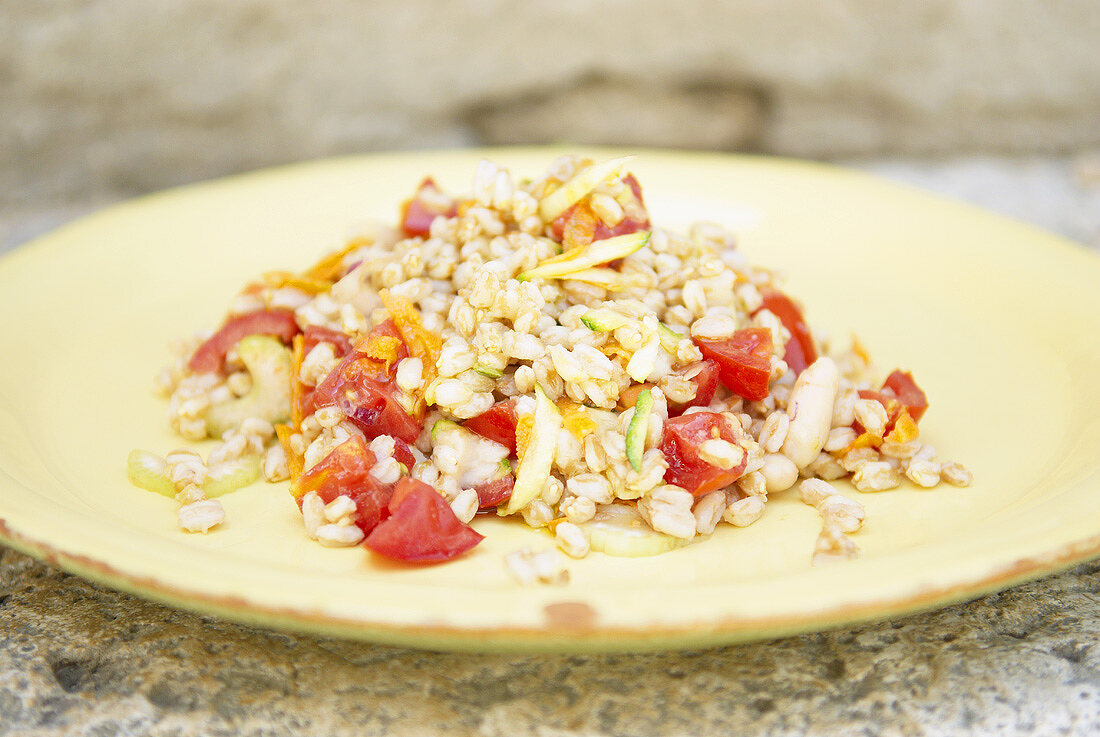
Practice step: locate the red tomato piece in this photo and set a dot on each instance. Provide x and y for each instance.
(428, 204)
(421, 527)
(704, 374)
(908, 393)
(744, 361)
(898, 392)
(345, 472)
(680, 444)
(315, 334)
(363, 389)
(800, 349)
(403, 453)
(211, 354)
(627, 224)
(623, 227)
(498, 423)
(493, 493)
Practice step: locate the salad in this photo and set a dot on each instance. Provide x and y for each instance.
(539, 350)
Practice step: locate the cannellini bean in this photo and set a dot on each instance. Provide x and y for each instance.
(779, 472)
(811, 411)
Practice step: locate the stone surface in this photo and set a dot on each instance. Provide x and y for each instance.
(77, 659)
(110, 97)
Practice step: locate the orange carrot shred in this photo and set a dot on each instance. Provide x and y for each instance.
(297, 356)
(866, 440)
(294, 462)
(905, 429)
(330, 266)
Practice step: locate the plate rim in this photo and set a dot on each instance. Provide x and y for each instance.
(570, 631)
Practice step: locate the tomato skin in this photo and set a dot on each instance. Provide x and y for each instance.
(375, 411)
(908, 393)
(899, 391)
(800, 349)
(706, 383)
(417, 214)
(312, 336)
(363, 389)
(346, 472)
(680, 445)
(421, 527)
(624, 227)
(210, 356)
(744, 361)
(315, 334)
(494, 493)
(498, 423)
(402, 453)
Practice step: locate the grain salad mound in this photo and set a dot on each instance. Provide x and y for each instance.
(541, 351)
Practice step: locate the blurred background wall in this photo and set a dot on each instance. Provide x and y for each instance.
(106, 98)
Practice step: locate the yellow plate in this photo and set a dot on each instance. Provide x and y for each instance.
(999, 322)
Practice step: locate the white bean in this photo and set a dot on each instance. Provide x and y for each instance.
(779, 472)
(811, 411)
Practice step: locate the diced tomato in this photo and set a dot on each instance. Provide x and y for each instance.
(744, 361)
(211, 354)
(315, 334)
(428, 204)
(421, 527)
(704, 374)
(493, 493)
(800, 350)
(898, 392)
(907, 392)
(498, 423)
(402, 453)
(346, 472)
(364, 390)
(580, 212)
(371, 406)
(680, 445)
(628, 224)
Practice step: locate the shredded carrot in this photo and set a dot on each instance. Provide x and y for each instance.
(421, 342)
(552, 525)
(905, 429)
(309, 285)
(294, 462)
(464, 207)
(866, 440)
(614, 350)
(524, 426)
(297, 356)
(330, 266)
(580, 228)
(575, 418)
(381, 348)
(860, 350)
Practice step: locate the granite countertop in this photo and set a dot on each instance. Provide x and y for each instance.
(79, 659)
